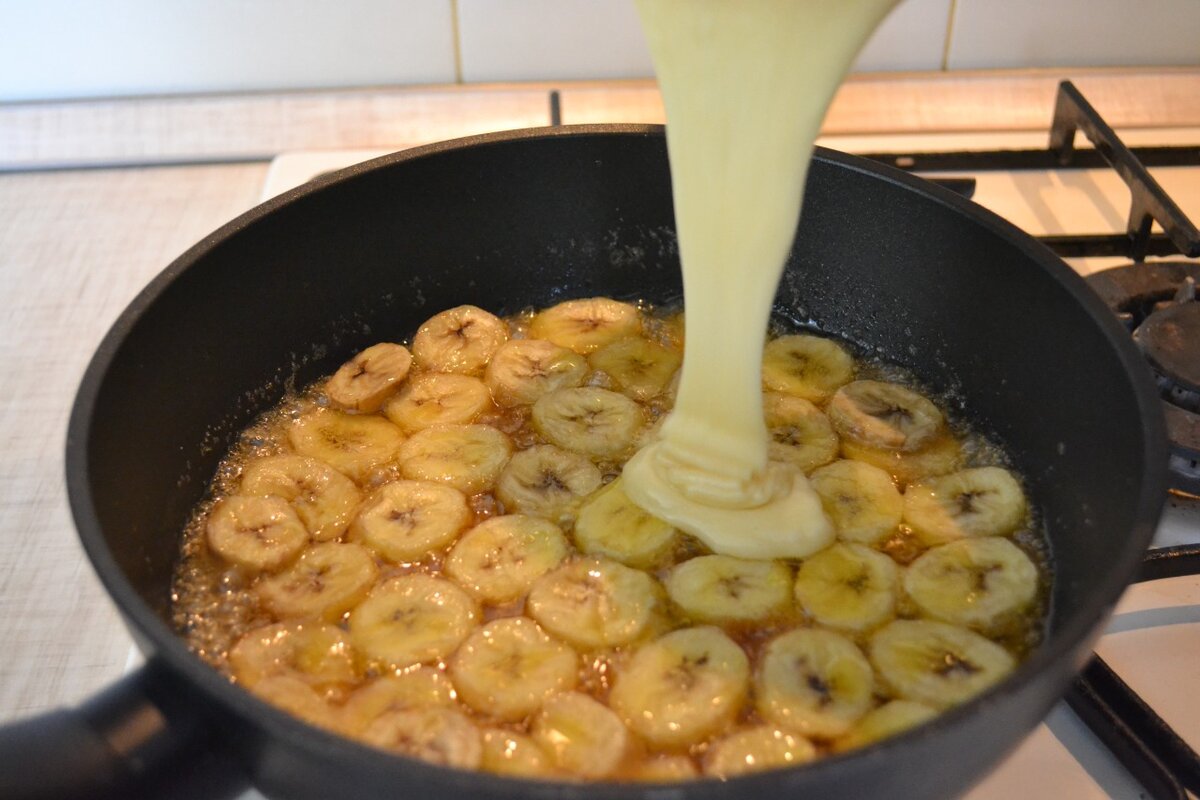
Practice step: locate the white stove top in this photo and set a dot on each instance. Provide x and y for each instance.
(1153, 641)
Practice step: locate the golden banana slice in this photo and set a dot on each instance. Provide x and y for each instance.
(664, 769)
(412, 619)
(589, 420)
(985, 501)
(525, 369)
(941, 455)
(467, 457)
(545, 481)
(460, 340)
(978, 583)
(256, 533)
(848, 586)
(935, 663)
(509, 753)
(594, 603)
(582, 737)
(365, 381)
(683, 687)
(639, 368)
(724, 589)
(609, 524)
(800, 433)
(508, 668)
(422, 687)
(862, 500)
(408, 520)
(756, 749)
(440, 736)
(325, 582)
(290, 694)
(498, 560)
(884, 722)
(353, 445)
(586, 325)
(323, 498)
(884, 415)
(806, 366)
(316, 652)
(436, 398)
(815, 682)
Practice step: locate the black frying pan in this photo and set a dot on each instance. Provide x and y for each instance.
(286, 292)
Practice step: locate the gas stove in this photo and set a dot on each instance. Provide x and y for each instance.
(1129, 727)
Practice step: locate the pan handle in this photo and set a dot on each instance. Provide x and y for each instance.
(136, 740)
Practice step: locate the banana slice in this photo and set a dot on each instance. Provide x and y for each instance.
(545, 481)
(422, 687)
(509, 753)
(664, 769)
(862, 500)
(436, 398)
(589, 420)
(256, 533)
(756, 749)
(507, 668)
(467, 457)
(639, 368)
(323, 498)
(407, 520)
(586, 325)
(935, 663)
(985, 501)
(353, 445)
(609, 524)
(848, 586)
(582, 737)
(884, 722)
(412, 619)
(525, 369)
(724, 589)
(682, 688)
(806, 366)
(800, 433)
(498, 560)
(977, 583)
(594, 603)
(437, 735)
(815, 682)
(460, 340)
(365, 381)
(290, 694)
(884, 415)
(941, 455)
(325, 582)
(316, 652)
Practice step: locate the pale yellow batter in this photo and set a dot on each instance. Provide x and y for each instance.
(745, 84)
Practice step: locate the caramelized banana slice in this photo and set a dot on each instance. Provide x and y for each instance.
(725, 589)
(353, 445)
(525, 369)
(256, 533)
(437, 735)
(436, 398)
(800, 433)
(323, 498)
(665, 769)
(862, 500)
(589, 420)
(594, 603)
(938, 457)
(325, 582)
(755, 749)
(421, 687)
(408, 520)
(365, 381)
(466, 457)
(884, 415)
(884, 722)
(611, 525)
(848, 586)
(937, 664)
(509, 753)
(460, 340)
(640, 368)
(316, 652)
(547, 482)
(806, 366)
(986, 501)
(582, 736)
(508, 668)
(498, 560)
(586, 325)
(290, 694)
(412, 619)
(978, 583)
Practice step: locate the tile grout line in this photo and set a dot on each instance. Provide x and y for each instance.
(456, 35)
(949, 34)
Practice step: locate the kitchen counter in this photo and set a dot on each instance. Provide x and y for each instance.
(99, 196)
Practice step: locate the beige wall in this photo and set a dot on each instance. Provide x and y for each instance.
(94, 48)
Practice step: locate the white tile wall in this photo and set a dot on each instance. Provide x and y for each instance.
(1073, 33)
(90, 48)
(913, 37)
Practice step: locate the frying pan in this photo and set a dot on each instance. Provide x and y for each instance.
(286, 292)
